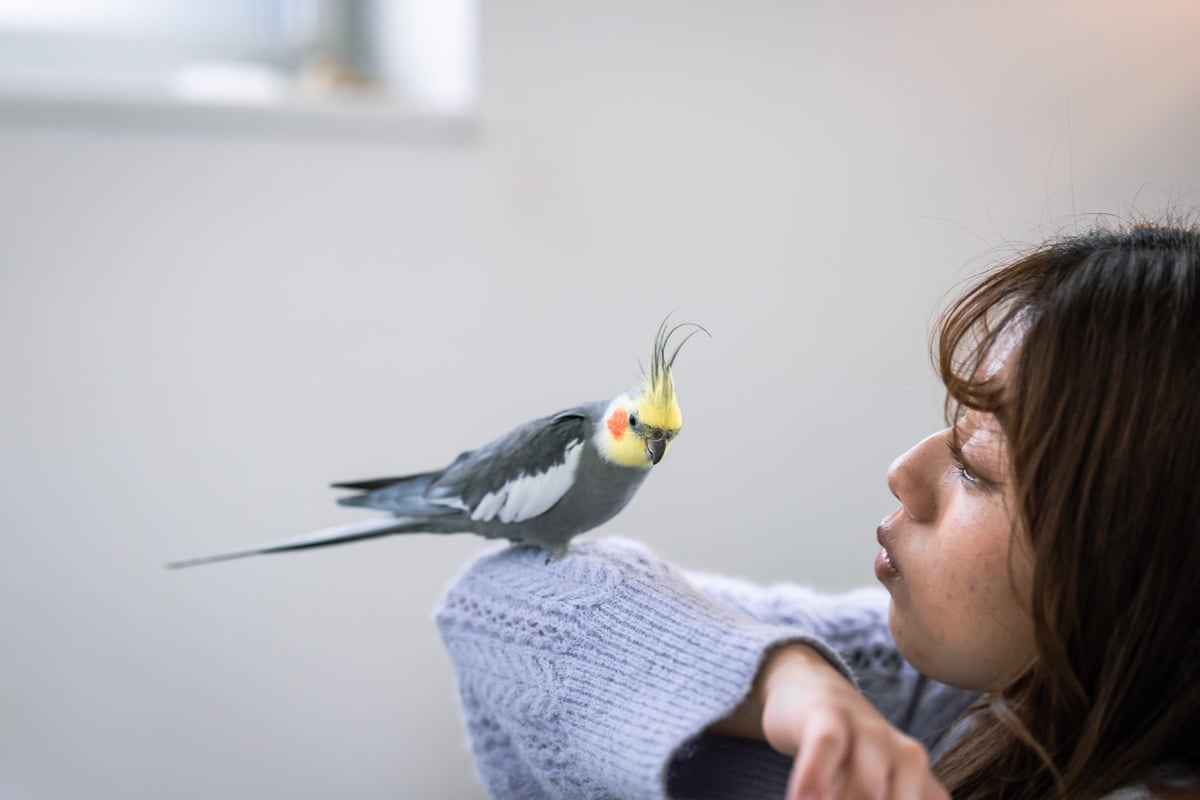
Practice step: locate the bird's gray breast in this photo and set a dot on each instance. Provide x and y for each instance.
(598, 493)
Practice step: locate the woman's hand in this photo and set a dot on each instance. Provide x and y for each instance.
(843, 747)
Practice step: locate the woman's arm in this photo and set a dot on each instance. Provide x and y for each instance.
(598, 675)
(855, 625)
(593, 676)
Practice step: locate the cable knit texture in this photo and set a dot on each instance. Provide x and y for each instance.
(595, 675)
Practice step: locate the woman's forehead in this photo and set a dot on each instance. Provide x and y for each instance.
(1001, 356)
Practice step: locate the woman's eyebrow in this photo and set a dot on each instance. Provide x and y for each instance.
(975, 420)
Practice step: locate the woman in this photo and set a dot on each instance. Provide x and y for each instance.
(1037, 637)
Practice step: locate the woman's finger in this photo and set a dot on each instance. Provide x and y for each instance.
(823, 746)
(870, 765)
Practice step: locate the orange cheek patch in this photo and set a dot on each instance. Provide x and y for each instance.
(618, 423)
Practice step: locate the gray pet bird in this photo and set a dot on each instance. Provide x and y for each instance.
(542, 483)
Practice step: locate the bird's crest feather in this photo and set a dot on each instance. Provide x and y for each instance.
(657, 398)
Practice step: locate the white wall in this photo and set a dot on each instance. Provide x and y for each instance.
(198, 332)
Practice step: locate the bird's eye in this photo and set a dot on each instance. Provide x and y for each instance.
(632, 420)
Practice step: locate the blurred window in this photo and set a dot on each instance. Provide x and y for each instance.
(414, 54)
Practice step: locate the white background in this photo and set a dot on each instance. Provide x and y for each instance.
(199, 331)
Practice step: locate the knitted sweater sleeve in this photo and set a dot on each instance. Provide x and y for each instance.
(855, 625)
(595, 675)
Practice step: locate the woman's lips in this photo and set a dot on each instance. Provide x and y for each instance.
(885, 568)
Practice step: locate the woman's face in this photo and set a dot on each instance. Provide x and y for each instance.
(958, 576)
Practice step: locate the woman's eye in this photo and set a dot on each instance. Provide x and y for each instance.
(965, 474)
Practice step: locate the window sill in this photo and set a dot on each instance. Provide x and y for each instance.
(380, 120)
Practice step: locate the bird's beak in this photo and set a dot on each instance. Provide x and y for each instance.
(656, 445)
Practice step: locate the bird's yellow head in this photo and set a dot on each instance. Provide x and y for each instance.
(638, 426)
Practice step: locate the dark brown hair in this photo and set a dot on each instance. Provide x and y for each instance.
(1102, 416)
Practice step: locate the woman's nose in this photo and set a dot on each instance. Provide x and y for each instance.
(912, 478)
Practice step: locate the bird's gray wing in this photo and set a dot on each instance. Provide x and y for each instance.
(519, 475)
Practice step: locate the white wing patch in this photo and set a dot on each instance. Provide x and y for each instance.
(526, 496)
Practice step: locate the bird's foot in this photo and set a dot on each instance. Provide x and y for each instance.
(557, 553)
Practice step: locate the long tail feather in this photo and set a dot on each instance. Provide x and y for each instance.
(350, 532)
(378, 483)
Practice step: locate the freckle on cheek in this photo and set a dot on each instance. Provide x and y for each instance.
(971, 586)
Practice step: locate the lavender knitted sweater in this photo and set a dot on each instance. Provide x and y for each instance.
(594, 676)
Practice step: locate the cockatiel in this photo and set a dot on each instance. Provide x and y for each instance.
(542, 483)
